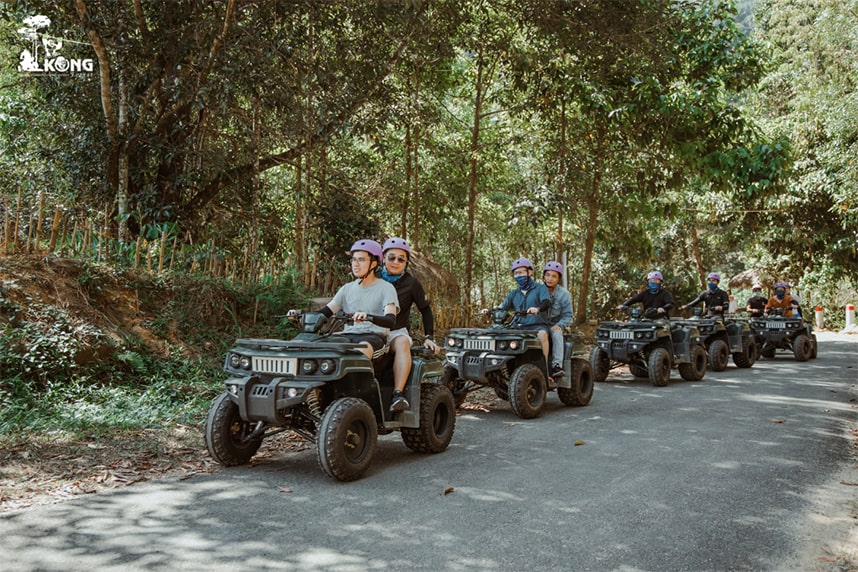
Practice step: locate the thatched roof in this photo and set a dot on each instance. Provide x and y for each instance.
(750, 277)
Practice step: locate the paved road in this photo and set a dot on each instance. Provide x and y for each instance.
(741, 471)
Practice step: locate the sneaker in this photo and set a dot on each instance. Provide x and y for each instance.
(558, 372)
(399, 402)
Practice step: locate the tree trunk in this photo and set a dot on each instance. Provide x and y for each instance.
(590, 239)
(695, 244)
(472, 187)
(403, 222)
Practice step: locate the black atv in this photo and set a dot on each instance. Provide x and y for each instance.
(510, 361)
(722, 337)
(650, 346)
(325, 390)
(778, 332)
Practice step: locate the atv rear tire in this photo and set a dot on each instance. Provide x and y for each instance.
(600, 364)
(437, 420)
(226, 432)
(659, 367)
(581, 379)
(347, 439)
(815, 346)
(527, 390)
(638, 371)
(696, 368)
(719, 355)
(748, 356)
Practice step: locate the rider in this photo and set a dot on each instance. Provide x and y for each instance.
(782, 300)
(409, 291)
(757, 302)
(716, 299)
(371, 301)
(530, 298)
(653, 298)
(559, 315)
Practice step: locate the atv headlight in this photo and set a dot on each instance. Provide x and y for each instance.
(451, 342)
(308, 366)
(244, 362)
(501, 345)
(233, 360)
(327, 366)
(639, 335)
(514, 344)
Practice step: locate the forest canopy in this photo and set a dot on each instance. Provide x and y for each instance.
(615, 136)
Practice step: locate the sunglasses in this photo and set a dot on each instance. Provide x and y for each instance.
(394, 258)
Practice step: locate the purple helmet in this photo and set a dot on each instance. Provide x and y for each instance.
(396, 242)
(555, 266)
(519, 262)
(714, 276)
(655, 274)
(782, 285)
(371, 247)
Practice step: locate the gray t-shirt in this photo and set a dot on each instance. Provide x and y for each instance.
(354, 297)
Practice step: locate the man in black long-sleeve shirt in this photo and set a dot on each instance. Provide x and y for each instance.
(716, 300)
(654, 298)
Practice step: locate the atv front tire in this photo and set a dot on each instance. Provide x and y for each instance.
(802, 347)
(527, 391)
(347, 439)
(659, 367)
(226, 433)
(600, 364)
(719, 355)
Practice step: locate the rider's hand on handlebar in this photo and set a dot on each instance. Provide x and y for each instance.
(661, 310)
(533, 310)
(359, 316)
(293, 314)
(621, 307)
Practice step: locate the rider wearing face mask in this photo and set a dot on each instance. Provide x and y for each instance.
(531, 298)
(782, 300)
(716, 300)
(655, 297)
(757, 302)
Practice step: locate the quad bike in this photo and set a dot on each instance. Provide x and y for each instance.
(722, 337)
(650, 346)
(325, 390)
(778, 332)
(510, 361)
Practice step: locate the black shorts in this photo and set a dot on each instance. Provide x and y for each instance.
(375, 340)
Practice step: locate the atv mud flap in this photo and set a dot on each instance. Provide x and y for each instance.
(260, 401)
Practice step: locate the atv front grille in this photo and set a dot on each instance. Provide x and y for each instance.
(776, 325)
(483, 345)
(281, 366)
(622, 335)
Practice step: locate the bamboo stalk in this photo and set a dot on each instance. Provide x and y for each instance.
(137, 251)
(18, 216)
(173, 251)
(6, 228)
(29, 235)
(106, 234)
(55, 227)
(73, 244)
(161, 251)
(38, 240)
(148, 256)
